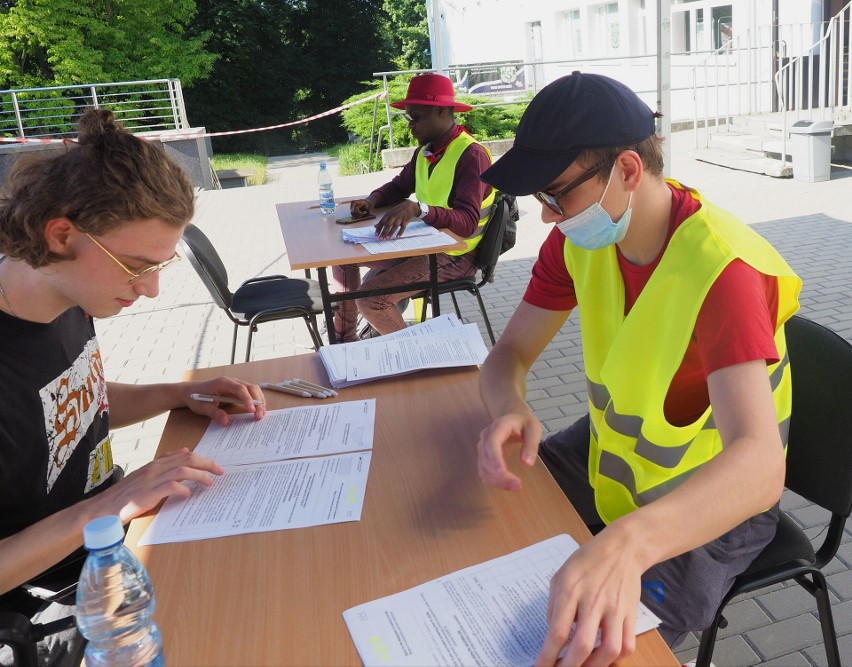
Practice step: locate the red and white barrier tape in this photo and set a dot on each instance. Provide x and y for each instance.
(176, 137)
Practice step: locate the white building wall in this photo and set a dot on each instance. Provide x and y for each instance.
(618, 38)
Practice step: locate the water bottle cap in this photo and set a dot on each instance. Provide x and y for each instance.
(103, 532)
(323, 164)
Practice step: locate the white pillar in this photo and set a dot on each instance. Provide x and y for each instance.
(664, 78)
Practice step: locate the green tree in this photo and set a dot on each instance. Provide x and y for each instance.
(64, 42)
(341, 43)
(409, 33)
(284, 60)
(256, 75)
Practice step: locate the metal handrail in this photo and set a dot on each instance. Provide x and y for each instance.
(154, 104)
(765, 95)
(829, 87)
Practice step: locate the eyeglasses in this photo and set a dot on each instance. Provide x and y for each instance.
(411, 119)
(552, 201)
(136, 277)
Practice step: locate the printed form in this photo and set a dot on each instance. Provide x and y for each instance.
(261, 490)
(380, 357)
(488, 614)
(291, 433)
(334, 356)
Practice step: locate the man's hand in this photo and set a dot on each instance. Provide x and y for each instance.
(224, 386)
(143, 489)
(512, 428)
(598, 587)
(360, 208)
(394, 222)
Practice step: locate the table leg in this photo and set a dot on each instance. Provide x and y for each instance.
(433, 278)
(326, 305)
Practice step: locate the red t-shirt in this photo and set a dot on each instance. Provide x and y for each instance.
(736, 322)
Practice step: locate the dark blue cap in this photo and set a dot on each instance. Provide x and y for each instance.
(573, 114)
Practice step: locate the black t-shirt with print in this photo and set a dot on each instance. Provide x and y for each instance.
(54, 420)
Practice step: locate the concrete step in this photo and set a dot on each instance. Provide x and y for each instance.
(743, 160)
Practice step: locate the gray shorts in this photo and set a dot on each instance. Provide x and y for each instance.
(685, 591)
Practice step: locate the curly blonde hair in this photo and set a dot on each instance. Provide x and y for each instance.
(107, 179)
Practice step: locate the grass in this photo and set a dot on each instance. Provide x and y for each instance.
(243, 161)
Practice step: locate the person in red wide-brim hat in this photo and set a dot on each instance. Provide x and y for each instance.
(444, 176)
(431, 90)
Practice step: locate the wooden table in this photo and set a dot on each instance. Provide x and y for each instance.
(313, 241)
(277, 598)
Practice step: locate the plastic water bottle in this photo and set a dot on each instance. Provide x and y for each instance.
(115, 601)
(326, 191)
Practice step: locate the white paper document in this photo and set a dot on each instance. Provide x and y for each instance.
(290, 433)
(488, 614)
(379, 357)
(334, 357)
(407, 243)
(264, 497)
(368, 234)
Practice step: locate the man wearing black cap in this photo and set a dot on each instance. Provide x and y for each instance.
(681, 311)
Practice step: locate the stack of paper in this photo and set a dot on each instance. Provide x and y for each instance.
(417, 235)
(439, 343)
(489, 614)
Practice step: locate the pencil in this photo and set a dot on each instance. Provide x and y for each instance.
(284, 390)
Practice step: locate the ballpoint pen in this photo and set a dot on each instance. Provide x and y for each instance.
(211, 398)
(284, 389)
(300, 386)
(318, 387)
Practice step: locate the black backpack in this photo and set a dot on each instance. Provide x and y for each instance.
(511, 234)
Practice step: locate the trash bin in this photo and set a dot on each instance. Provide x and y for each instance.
(812, 150)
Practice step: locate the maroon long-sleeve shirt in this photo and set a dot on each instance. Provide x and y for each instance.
(466, 196)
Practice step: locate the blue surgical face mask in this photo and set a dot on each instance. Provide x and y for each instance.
(593, 228)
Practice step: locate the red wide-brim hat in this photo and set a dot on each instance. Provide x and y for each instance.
(431, 90)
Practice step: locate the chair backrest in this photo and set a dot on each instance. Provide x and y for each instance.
(207, 263)
(819, 452)
(492, 240)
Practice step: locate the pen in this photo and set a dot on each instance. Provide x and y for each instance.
(318, 387)
(301, 387)
(210, 398)
(285, 390)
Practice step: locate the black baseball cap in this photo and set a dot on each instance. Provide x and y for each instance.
(568, 116)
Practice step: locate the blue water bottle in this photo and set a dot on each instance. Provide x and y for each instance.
(326, 191)
(115, 601)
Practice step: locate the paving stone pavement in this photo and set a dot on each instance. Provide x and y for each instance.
(810, 223)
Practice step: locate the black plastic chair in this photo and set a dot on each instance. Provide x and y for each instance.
(488, 253)
(819, 468)
(258, 300)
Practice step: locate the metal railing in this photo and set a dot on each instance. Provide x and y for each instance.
(141, 106)
(795, 80)
(538, 78)
(775, 68)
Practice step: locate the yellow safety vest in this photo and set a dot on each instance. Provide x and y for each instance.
(636, 456)
(434, 189)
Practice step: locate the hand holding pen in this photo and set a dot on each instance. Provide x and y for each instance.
(211, 397)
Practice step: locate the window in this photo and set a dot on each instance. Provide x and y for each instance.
(608, 29)
(572, 34)
(722, 26)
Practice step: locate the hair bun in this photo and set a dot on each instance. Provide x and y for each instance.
(95, 125)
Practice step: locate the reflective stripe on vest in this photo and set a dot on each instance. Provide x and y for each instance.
(434, 189)
(636, 456)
